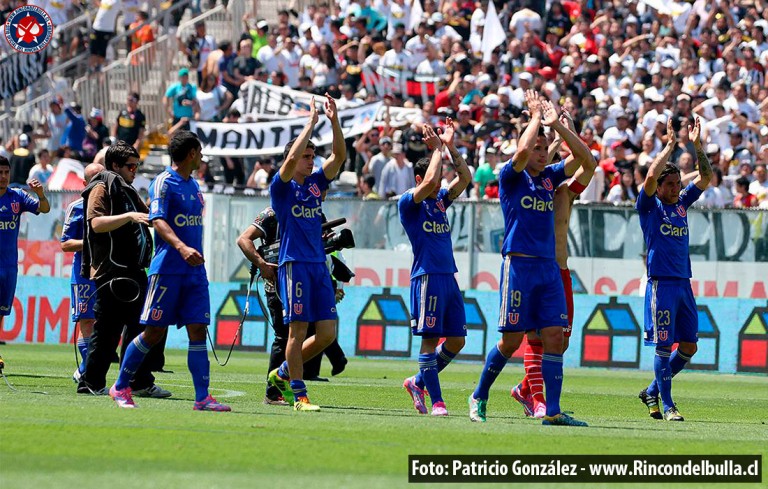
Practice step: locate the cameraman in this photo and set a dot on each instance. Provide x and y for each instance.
(303, 280)
(265, 227)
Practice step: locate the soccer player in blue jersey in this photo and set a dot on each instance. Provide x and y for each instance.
(670, 309)
(178, 284)
(82, 290)
(437, 307)
(13, 202)
(530, 392)
(303, 280)
(532, 294)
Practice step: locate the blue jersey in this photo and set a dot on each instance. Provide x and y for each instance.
(529, 210)
(73, 229)
(427, 227)
(12, 204)
(665, 229)
(179, 203)
(299, 212)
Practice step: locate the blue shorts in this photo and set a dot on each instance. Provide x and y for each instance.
(306, 292)
(177, 299)
(532, 295)
(82, 297)
(670, 312)
(437, 307)
(7, 289)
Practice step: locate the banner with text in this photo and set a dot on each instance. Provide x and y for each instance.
(270, 138)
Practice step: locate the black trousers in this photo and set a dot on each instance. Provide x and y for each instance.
(277, 355)
(116, 318)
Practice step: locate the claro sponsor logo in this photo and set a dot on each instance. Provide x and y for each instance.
(537, 204)
(182, 220)
(305, 212)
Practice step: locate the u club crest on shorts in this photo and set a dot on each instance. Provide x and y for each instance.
(29, 29)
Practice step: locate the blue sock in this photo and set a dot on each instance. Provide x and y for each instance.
(444, 357)
(428, 371)
(676, 363)
(299, 388)
(200, 368)
(82, 346)
(282, 371)
(134, 355)
(663, 378)
(552, 372)
(494, 364)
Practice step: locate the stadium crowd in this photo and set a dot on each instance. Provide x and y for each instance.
(622, 69)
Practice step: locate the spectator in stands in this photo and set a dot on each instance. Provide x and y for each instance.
(22, 160)
(212, 100)
(288, 61)
(486, 173)
(95, 134)
(397, 175)
(233, 166)
(717, 195)
(54, 124)
(375, 166)
(742, 197)
(625, 192)
(199, 47)
(181, 100)
(43, 169)
(130, 125)
(74, 134)
(367, 188)
(245, 65)
(226, 64)
(102, 31)
(759, 186)
(144, 34)
(257, 33)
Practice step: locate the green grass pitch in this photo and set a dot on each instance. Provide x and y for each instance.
(51, 437)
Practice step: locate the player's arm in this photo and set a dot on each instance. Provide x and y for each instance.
(527, 140)
(431, 181)
(705, 167)
(189, 254)
(654, 172)
(554, 148)
(72, 245)
(463, 177)
(44, 207)
(245, 243)
(338, 155)
(297, 150)
(580, 156)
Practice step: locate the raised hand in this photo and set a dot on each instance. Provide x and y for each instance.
(671, 134)
(532, 101)
(567, 120)
(549, 113)
(313, 116)
(430, 138)
(330, 107)
(694, 134)
(448, 132)
(36, 187)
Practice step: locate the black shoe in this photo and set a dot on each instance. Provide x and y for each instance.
(317, 379)
(652, 403)
(337, 369)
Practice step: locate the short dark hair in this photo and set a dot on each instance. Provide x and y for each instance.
(134, 95)
(4, 162)
(119, 154)
(181, 144)
(370, 180)
(669, 169)
(420, 168)
(743, 182)
(225, 45)
(310, 145)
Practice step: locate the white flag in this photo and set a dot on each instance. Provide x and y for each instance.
(493, 33)
(417, 13)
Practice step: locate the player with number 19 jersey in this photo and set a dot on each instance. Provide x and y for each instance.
(82, 289)
(437, 307)
(532, 294)
(177, 292)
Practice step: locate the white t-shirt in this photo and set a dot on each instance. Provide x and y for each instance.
(210, 101)
(418, 49)
(267, 58)
(396, 61)
(57, 9)
(205, 46)
(290, 65)
(519, 19)
(106, 17)
(431, 68)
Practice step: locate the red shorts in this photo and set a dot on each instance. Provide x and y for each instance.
(565, 274)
